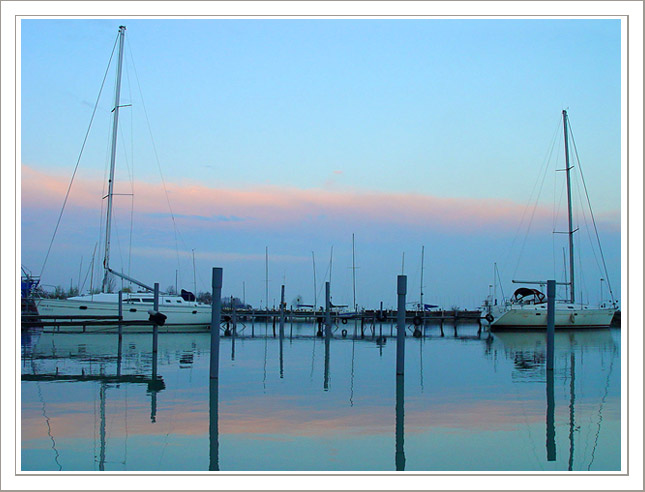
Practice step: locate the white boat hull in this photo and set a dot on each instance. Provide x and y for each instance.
(193, 316)
(531, 316)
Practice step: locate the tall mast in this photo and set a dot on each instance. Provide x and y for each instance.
(313, 260)
(421, 286)
(194, 275)
(115, 125)
(571, 231)
(266, 266)
(353, 271)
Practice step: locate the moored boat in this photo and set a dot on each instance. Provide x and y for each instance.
(527, 308)
(178, 310)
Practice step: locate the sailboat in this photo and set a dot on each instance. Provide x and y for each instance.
(527, 307)
(180, 310)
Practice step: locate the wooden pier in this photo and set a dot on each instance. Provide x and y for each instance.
(231, 318)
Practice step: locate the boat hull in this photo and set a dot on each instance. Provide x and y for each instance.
(189, 316)
(532, 317)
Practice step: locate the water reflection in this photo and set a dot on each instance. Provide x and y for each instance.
(528, 351)
(483, 404)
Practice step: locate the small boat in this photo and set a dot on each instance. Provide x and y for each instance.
(181, 310)
(527, 307)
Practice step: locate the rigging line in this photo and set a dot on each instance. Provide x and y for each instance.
(526, 207)
(584, 216)
(547, 159)
(154, 148)
(528, 228)
(593, 220)
(78, 160)
(500, 283)
(89, 268)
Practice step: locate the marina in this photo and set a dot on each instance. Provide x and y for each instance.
(243, 293)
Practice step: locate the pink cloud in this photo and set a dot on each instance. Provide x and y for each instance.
(275, 206)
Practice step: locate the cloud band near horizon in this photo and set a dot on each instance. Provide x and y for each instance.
(266, 206)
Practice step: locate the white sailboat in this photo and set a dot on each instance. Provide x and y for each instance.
(527, 308)
(179, 310)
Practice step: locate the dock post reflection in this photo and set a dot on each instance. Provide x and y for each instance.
(401, 290)
(399, 457)
(102, 428)
(550, 417)
(213, 426)
(326, 376)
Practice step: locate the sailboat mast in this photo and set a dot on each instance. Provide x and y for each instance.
(571, 231)
(421, 287)
(115, 125)
(354, 271)
(313, 260)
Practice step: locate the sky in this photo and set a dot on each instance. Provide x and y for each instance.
(291, 135)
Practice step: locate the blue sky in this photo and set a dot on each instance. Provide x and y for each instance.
(405, 111)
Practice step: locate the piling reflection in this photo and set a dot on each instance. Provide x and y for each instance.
(213, 426)
(572, 399)
(399, 457)
(281, 355)
(102, 427)
(326, 376)
(550, 417)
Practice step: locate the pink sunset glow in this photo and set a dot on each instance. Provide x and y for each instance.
(274, 206)
(283, 418)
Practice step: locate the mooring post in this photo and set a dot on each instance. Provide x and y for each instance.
(155, 307)
(216, 318)
(234, 315)
(327, 312)
(252, 323)
(550, 324)
(401, 290)
(120, 346)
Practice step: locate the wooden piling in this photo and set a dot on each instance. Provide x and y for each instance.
(550, 324)
(120, 344)
(327, 312)
(282, 313)
(216, 318)
(401, 290)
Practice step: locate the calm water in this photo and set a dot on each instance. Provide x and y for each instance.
(465, 403)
